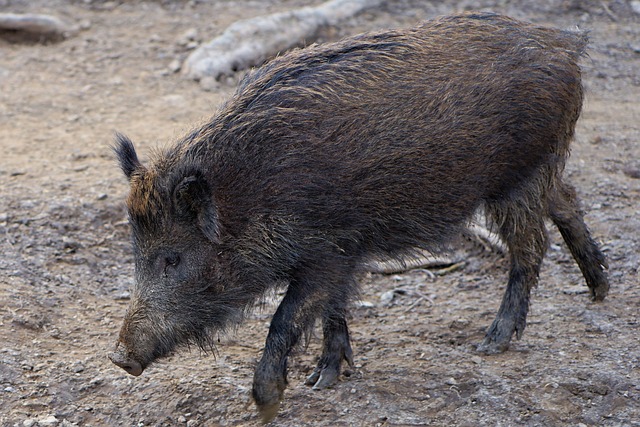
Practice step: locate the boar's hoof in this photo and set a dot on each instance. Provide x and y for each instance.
(268, 393)
(327, 371)
(499, 336)
(599, 292)
(491, 347)
(268, 412)
(131, 366)
(322, 378)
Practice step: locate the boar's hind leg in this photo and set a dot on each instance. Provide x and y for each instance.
(521, 226)
(336, 348)
(566, 215)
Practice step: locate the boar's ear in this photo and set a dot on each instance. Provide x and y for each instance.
(194, 199)
(126, 154)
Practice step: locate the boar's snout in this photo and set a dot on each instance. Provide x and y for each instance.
(120, 358)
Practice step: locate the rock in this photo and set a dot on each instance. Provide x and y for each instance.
(635, 6)
(30, 422)
(459, 324)
(209, 84)
(364, 304)
(598, 139)
(48, 421)
(188, 37)
(632, 172)
(123, 296)
(387, 297)
(174, 66)
(477, 360)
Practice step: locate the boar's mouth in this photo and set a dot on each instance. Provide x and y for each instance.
(120, 358)
(134, 358)
(144, 338)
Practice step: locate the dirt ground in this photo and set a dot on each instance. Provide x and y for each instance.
(66, 265)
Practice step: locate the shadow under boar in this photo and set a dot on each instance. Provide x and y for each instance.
(379, 146)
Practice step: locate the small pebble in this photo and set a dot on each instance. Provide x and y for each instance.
(364, 304)
(48, 421)
(632, 172)
(209, 84)
(188, 37)
(459, 324)
(387, 297)
(477, 360)
(175, 66)
(122, 296)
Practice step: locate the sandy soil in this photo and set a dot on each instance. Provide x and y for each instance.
(67, 265)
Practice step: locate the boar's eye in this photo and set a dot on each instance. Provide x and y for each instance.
(169, 261)
(173, 259)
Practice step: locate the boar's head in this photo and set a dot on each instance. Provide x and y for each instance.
(179, 296)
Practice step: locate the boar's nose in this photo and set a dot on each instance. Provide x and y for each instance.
(119, 358)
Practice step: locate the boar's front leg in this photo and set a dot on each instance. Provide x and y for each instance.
(336, 347)
(270, 377)
(310, 294)
(299, 308)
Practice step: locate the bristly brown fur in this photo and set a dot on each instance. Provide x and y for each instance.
(380, 145)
